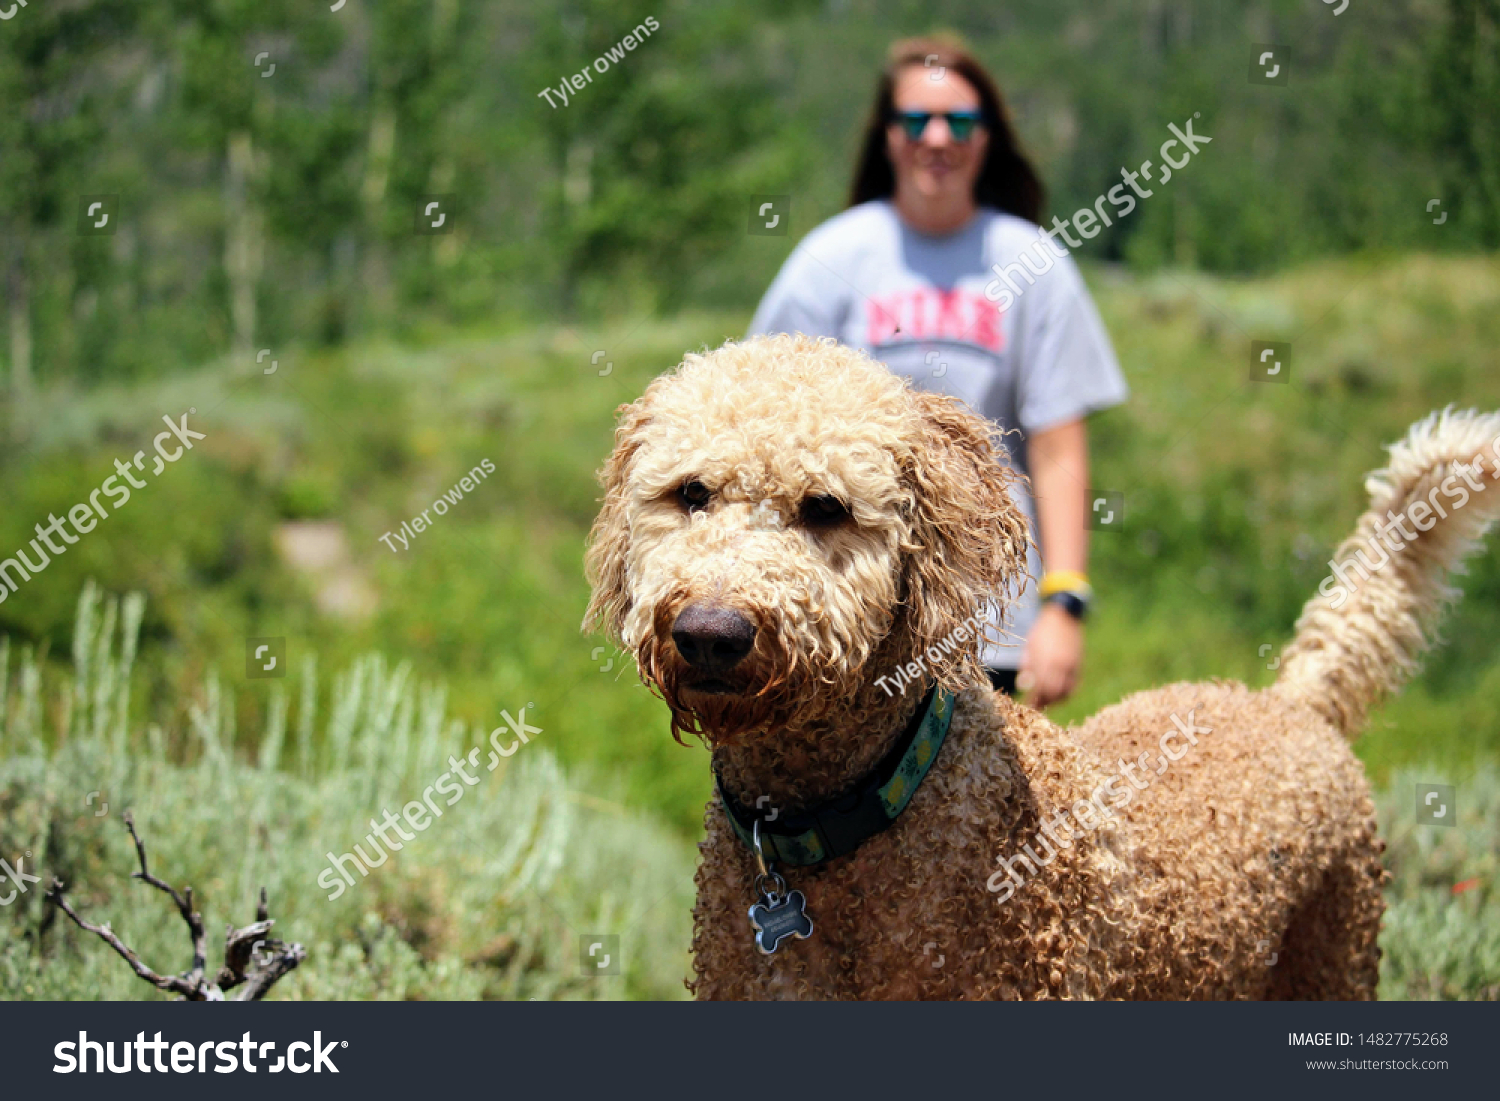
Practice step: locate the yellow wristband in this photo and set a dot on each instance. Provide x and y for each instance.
(1063, 581)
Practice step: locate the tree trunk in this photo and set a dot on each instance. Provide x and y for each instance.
(18, 302)
(378, 300)
(242, 242)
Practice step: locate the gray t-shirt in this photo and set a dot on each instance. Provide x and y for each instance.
(917, 303)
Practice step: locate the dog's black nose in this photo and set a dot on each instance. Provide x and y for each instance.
(712, 638)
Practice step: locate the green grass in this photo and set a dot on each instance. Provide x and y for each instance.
(1236, 493)
(488, 901)
(1438, 943)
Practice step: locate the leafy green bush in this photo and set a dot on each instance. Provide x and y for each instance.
(489, 901)
(1442, 922)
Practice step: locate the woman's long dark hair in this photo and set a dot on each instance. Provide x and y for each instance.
(1006, 181)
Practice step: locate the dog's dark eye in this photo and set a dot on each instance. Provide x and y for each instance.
(823, 511)
(694, 495)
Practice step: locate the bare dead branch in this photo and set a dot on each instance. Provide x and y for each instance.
(184, 903)
(145, 873)
(283, 958)
(239, 949)
(254, 959)
(105, 933)
(251, 958)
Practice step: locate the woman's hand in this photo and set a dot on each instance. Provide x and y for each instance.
(1053, 657)
(1059, 462)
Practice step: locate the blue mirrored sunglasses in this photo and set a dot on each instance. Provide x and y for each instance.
(960, 123)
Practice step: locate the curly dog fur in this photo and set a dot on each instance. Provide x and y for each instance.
(794, 490)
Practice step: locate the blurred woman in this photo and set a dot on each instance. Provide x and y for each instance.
(938, 269)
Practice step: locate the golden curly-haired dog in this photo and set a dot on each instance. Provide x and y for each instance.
(785, 523)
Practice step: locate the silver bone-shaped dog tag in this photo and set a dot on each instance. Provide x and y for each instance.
(777, 917)
(778, 914)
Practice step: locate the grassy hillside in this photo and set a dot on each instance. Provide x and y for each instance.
(1236, 493)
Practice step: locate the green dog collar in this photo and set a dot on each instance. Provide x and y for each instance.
(841, 825)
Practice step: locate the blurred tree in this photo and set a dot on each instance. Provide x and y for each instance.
(262, 207)
(236, 58)
(1464, 126)
(51, 136)
(420, 74)
(656, 158)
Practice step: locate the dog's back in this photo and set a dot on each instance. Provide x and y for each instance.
(1258, 865)
(1252, 838)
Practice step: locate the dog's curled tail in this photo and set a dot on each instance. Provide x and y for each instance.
(1362, 636)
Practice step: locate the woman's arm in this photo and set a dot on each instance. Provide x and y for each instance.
(1059, 462)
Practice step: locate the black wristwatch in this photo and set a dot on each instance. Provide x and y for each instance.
(1075, 604)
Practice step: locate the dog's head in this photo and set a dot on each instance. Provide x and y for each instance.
(774, 510)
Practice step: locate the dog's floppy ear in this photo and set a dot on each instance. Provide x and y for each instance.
(971, 538)
(604, 562)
